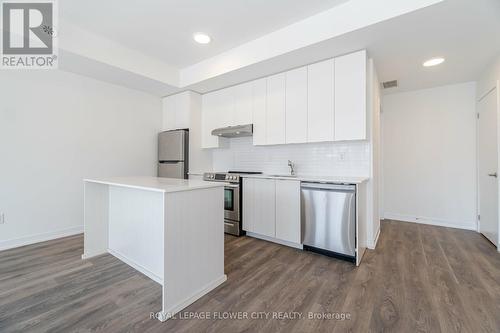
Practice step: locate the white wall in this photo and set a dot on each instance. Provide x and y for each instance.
(489, 78)
(429, 147)
(57, 128)
(324, 159)
(373, 186)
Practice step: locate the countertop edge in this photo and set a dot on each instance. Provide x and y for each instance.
(175, 188)
(333, 180)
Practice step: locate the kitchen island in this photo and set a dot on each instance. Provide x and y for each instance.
(171, 230)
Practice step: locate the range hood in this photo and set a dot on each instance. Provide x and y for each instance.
(234, 131)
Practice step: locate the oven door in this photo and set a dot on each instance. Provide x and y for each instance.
(232, 202)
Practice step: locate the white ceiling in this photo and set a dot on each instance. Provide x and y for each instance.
(465, 32)
(163, 28)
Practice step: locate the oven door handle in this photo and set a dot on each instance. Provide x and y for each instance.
(232, 186)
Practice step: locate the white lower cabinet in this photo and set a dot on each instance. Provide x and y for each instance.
(271, 208)
(259, 207)
(288, 210)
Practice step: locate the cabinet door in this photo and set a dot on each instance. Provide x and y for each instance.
(296, 106)
(275, 113)
(248, 205)
(264, 207)
(208, 121)
(320, 112)
(288, 210)
(182, 111)
(243, 95)
(259, 97)
(176, 110)
(259, 210)
(350, 97)
(169, 117)
(224, 107)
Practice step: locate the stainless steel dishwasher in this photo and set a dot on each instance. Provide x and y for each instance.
(329, 219)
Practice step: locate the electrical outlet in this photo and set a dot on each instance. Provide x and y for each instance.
(2, 218)
(342, 156)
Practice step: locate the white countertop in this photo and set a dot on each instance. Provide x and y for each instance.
(156, 184)
(321, 179)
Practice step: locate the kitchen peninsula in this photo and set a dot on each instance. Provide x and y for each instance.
(168, 229)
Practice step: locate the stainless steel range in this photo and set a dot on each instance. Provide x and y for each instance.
(232, 198)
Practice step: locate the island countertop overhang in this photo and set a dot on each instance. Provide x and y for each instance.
(155, 184)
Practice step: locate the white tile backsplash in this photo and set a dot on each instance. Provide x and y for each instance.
(319, 159)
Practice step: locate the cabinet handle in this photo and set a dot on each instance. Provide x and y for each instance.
(493, 175)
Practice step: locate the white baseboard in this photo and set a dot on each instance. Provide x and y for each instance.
(37, 238)
(275, 240)
(466, 225)
(373, 244)
(136, 266)
(88, 255)
(166, 314)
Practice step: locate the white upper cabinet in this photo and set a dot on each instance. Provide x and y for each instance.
(325, 101)
(320, 96)
(208, 121)
(350, 97)
(243, 95)
(275, 110)
(176, 109)
(225, 107)
(259, 97)
(296, 106)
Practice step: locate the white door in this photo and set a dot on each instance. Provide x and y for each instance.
(488, 166)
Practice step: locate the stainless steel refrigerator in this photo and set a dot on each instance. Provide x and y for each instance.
(173, 154)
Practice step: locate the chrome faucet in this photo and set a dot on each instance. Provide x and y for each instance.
(292, 167)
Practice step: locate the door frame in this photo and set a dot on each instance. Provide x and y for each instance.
(496, 88)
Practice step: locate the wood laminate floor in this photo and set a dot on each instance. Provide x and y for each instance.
(419, 279)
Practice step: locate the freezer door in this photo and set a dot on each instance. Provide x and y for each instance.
(329, 218)
(171, 146)
(172, 170)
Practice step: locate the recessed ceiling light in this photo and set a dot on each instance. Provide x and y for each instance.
(433, 62)
(202, 38)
